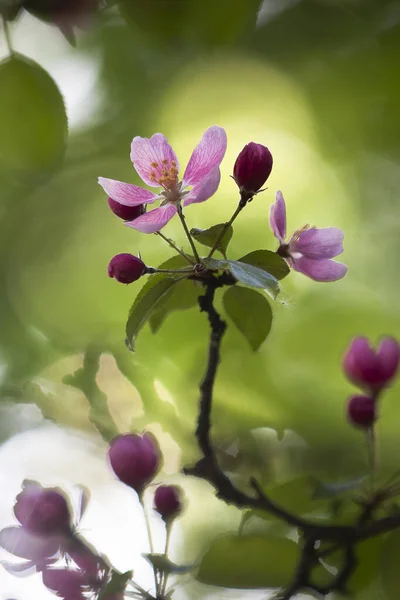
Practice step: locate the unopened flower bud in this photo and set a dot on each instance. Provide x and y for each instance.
(127, 213)
(43, 511)
(361, 411)
(252, 168)
(126, 268)
(135, 459)
(372, 369)
(167, 501)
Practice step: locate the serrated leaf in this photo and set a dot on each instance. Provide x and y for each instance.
(164, 565)
(33, 121)
(247, 274)
(116, 584)
(249, 562)
(208, 237)
(269, 261)
(146, 301)
(251, 313)
(182, 296)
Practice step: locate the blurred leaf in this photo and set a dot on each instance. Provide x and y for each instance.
(208, 237)
(146, 301)
(329, 490)
(251, 313)
(158, 21)
(294, 496)
(182, 296)
(116, 584)
(33, 121)
(247, 274)
(164, 565)
(248, 562)
(389, 567)
(269, 261)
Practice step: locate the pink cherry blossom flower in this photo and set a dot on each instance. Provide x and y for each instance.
(372, 369)
(309, 250)
(157, 165)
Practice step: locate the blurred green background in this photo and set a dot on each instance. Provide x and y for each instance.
(316, 81)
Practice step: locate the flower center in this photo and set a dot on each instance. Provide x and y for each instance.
(166, 175)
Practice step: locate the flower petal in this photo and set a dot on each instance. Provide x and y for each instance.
(25, 545)
(389, 357)
(319, 243)
(319, 270)
(126, 193)
(154, 220)
(207, 155)
(277, 218)
(152, 156)
(19, 569)
(205, 189)
(65, 582)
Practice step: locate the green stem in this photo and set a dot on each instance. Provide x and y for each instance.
(189, 237)
(7, 36)
(150, 538)
(225, 228)
(165, 575)
(152, 270)
(175, 247)
(371, 456)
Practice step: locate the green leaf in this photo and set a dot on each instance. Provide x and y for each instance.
(389, 566)
(330, 490)
(247, 274)
(249, 562)
(164, 565)
(251, 313)
(269, 261)
(182, 296)
(208, 237)
(294, 495)
(33, 121)
(116, 584)
(146, 301)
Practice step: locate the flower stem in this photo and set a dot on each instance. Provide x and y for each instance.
(150, 538)
(239, 208)
(7, 36)
(175, 247)
(189, 237)
(165, 575)
(371, 456)
(152, 270)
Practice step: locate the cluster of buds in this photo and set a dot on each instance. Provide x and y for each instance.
(136, 460)
(372, 371)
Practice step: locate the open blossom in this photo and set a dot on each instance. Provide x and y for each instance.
(309, 250)
(371, 369)
(157, 165)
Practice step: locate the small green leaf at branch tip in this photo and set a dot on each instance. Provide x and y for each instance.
(247, 274)
(208, 237)
(164, 565)
(249, 562)
(268, 261)
(251, 313)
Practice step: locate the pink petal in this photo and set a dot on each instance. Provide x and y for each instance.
(360, 358)
(25, 545)
(19, 569)
(277, 218)
(320, 270)
(389, 356)
(151, 157)
(207, 155)
(64, 581)
(319, 243)
(154, 220)
(126, 193)
(205, 190)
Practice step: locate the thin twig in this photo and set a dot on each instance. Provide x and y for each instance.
(151, 545)
(187, 232)
(175, 247)
(165, 574)
(238, 210)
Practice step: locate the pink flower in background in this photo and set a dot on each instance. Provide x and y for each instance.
(309, 250)
(372, 369)
(157, 165)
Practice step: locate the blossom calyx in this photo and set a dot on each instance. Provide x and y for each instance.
(371, 369)
(126, 268)
(252, 169)
(168, 501)
(361, 411)
(42, 511)
(135, 459)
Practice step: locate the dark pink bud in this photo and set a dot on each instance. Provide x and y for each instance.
(43, 511)
(372, 369)
(252, 167)
(135, 459)
(167, 501)
(127, 213)
(126, 268)
(361, 411)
